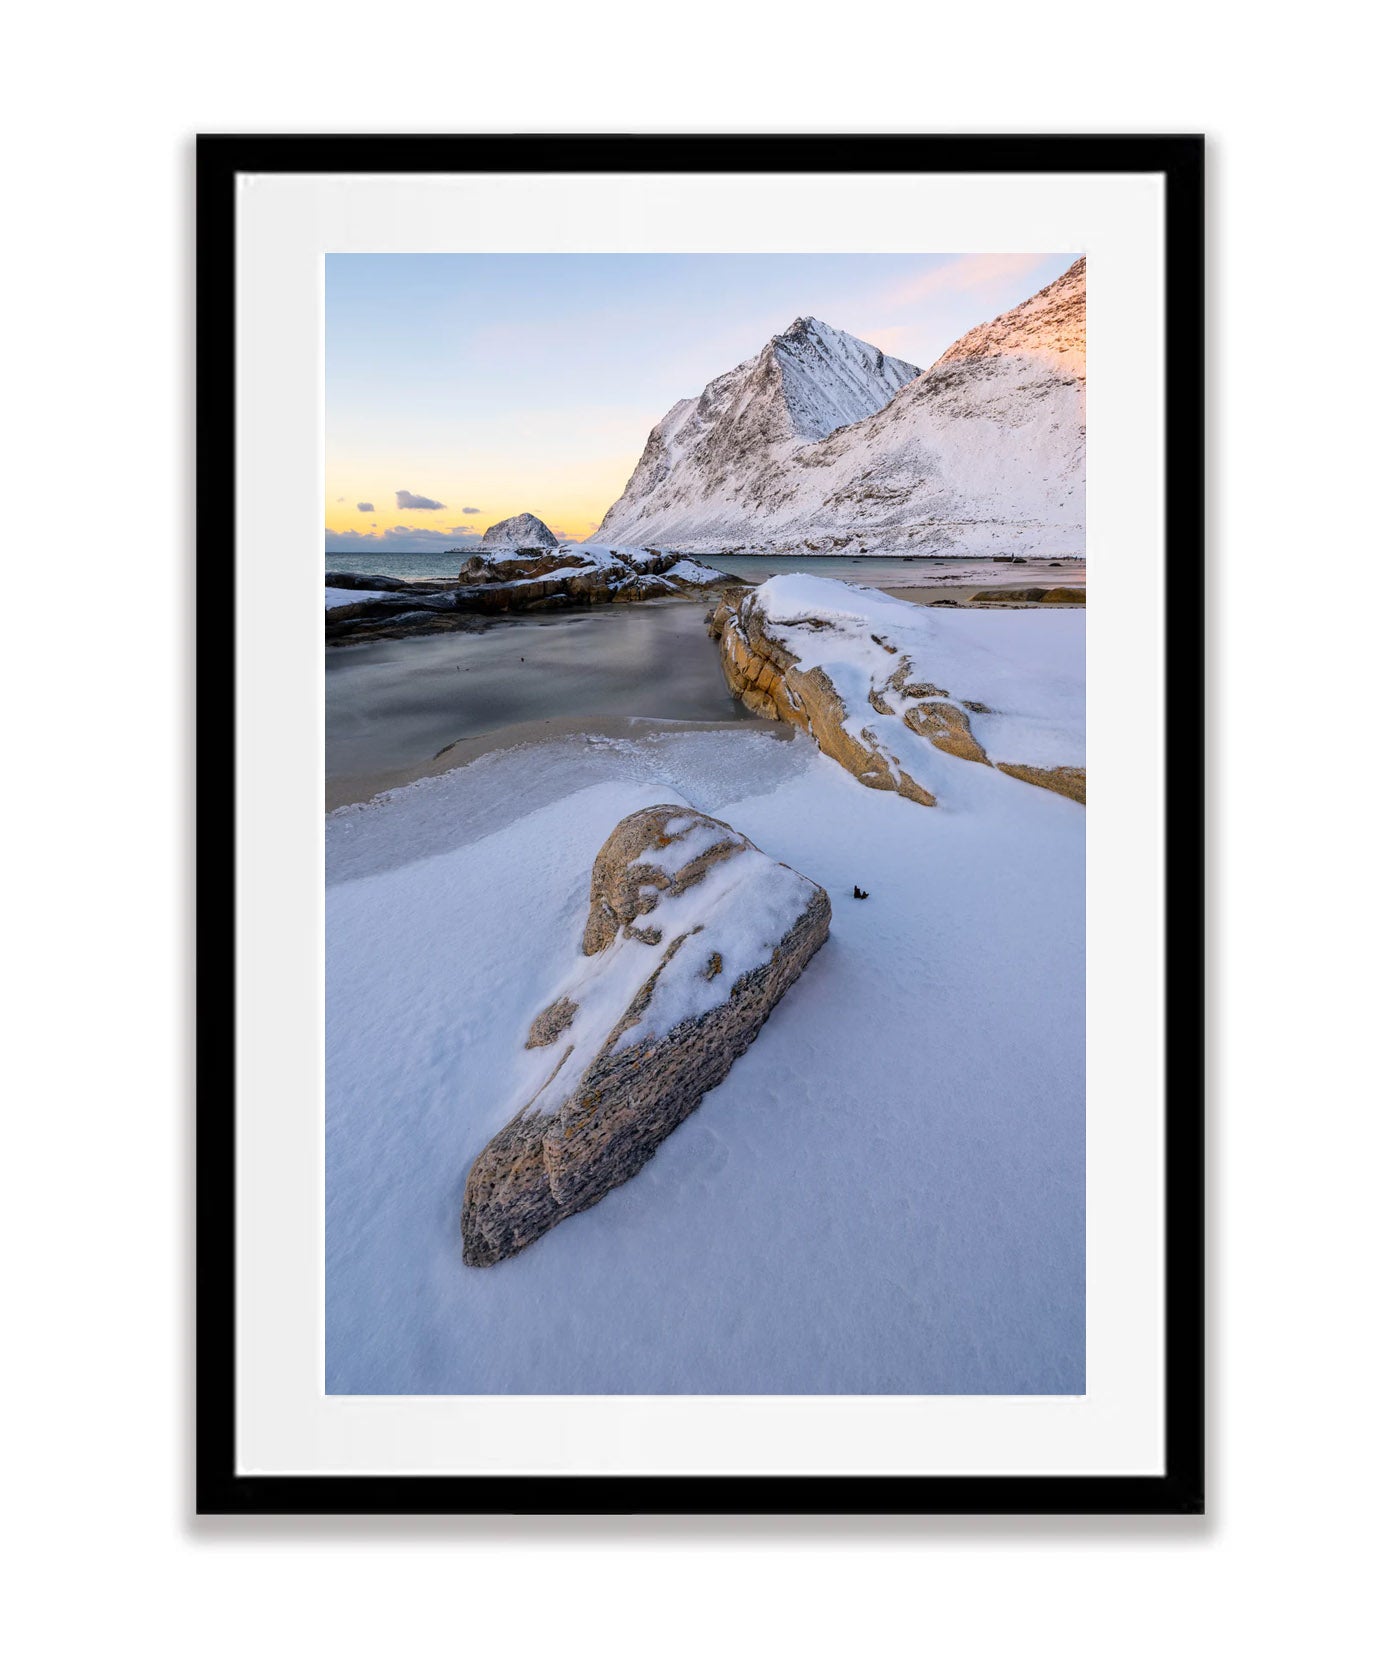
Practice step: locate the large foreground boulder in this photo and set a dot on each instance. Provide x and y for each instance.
(693, 935)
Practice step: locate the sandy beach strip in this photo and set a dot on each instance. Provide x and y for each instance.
(930, 594)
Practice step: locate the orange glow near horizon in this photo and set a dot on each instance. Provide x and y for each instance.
(510, 384)
(573, 516)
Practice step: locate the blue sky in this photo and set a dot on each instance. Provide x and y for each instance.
(463, 389)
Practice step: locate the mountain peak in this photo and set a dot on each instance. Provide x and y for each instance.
(822, 443)
(831, 378)
(808, 326)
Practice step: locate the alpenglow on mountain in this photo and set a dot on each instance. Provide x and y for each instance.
(822, 444)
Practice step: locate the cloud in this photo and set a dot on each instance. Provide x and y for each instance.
(463, 531)
(407, 499)
(364, 507)
(965, 274)
(471, 510)
(421, 538)
(340, 498)
(907, 342)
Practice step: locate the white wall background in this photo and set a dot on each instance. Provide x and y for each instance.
(1285, 1577)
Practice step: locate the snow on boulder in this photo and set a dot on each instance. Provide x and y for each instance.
(693, 935)
(879, 682)
(351, 597)
(522, 531)
(702, 577)
(593, 571)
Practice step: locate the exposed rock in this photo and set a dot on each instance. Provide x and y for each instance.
(693, 935)
(510, 567)
(367, 580)
(946, 727)
(643, 589)
(400, 627)
(515, 580)
(1063, 778)
(780, 644)
(1061, 595)
(549, 1023)
(765, 675)
(767, 682)
(390, 606)
(524, 530)
(409, 620)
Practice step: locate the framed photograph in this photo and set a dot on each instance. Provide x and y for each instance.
(676, 1035)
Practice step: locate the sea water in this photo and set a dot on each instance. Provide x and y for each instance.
(390, 704)
(879, 570)
(395, 704)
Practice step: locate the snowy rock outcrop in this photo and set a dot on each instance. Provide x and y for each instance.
(693, 935)
(524, 530)
(982, 454)
(584, 573)
(878, 682)
(572, 574)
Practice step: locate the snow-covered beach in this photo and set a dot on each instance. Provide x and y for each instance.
(764, 802)
(886, 1192)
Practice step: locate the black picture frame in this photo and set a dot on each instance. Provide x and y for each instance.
(1179, 161)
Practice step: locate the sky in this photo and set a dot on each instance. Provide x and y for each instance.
(463, 389)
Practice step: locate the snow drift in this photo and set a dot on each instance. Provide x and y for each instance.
(885, 1195)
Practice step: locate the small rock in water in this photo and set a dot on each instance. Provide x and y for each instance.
(858, 893)
(693, 935)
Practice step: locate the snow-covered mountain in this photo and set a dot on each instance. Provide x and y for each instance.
(710, 464)
(522, 530)
(981, 454)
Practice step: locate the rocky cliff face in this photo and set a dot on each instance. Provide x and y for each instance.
(521, 531)
(693, 935)
(981, 454)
